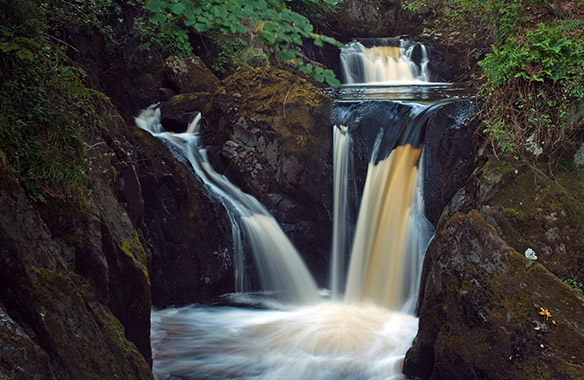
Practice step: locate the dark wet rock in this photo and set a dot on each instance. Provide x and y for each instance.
(483, 312)
(269, 133)
(449, 154)
(188, 232)
(189, 75)
(181, 109)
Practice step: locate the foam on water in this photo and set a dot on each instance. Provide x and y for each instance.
(329, 340)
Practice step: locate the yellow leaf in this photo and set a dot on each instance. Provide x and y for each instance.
(260, 25)
(545, 312)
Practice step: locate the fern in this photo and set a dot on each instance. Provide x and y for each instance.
(568, 26)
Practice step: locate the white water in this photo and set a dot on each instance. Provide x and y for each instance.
(384, 64)
(363, 338)
(328, 341)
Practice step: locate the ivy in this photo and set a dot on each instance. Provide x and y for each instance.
(276, 26)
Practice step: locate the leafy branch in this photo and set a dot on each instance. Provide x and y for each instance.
(276, 26)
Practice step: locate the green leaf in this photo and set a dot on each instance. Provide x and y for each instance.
(240, 28)
(269, 37)
(9, 46)
(157, 18)
(178, 8)
(156, 6)
(202, 27)
(333, 81)
(25, 54)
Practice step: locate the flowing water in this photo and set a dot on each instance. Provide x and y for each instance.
(385, 64)
(291, 331)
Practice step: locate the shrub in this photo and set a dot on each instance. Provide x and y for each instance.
(534, 83)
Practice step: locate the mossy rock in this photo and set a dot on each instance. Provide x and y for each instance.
(533, 209)
(486, 312)
(279, 101)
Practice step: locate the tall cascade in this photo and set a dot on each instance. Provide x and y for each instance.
(360, 328)
(391, 232)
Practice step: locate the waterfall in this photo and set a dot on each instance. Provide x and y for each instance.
(279, 265)
(365, 329)
(385, 64)
(378, 257)
(392, 232)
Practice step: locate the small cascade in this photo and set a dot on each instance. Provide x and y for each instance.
(279, 265)
(405, 63)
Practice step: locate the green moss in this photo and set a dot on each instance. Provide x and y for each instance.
(135, 252)
(290, 105)
(114, 333)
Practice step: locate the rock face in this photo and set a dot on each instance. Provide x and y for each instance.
(55, 323)
(486, 312)
(77, 274)
(366, 18)
(269, 133)
(187, 233)
(449, 152)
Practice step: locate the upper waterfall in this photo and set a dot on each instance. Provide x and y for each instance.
(389, 61)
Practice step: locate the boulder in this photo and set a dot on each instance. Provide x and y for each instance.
(189, 75)
(269, 133)
(180, 109)
(487, 312)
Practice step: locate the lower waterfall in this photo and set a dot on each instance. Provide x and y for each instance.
(362, 331)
